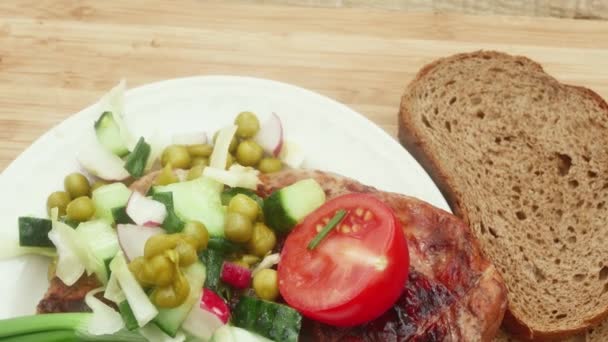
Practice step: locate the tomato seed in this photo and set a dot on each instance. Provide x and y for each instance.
(359, 212)
(368, 216)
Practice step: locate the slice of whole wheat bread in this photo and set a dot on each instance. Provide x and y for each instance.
(523, 159)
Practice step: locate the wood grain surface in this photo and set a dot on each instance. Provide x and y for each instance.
(58, 56)
(578, 9)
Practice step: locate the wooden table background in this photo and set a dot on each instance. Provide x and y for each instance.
(58, 56)
(579, 9)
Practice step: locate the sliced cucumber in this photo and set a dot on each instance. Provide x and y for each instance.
(170, 320)
(137, 160)
(108, 197)
(272, 320)
(102, 242)
(34, 232)
(172, 223)
(198, 200)
(223, 246)
(229, 333)
(288, 206)
(109, 135)
(213, 261)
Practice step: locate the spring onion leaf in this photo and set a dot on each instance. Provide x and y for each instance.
(153, 333)
(328, 228)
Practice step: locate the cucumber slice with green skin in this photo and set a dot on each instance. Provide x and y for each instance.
(102, 243)
(69, 222)
(198, 200)
(170, 320)
(127, 315)
(290, 205)
(229, 333)
(34, 232)
(272, 320)
(137, 160)
(108, 197)
(120, 216)
(172, 223)
(223, 246)
(231, 192)
(108, 134)
(213, 260)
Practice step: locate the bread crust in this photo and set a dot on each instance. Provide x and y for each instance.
(411, 139)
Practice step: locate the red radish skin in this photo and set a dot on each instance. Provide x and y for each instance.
(144, 211)
(270, 136)
(235, 275)
(211, 314)
(132, 238)
(213, 303)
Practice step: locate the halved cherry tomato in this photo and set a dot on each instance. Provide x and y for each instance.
(357, 271)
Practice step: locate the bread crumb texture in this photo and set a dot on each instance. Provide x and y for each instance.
(527, 158)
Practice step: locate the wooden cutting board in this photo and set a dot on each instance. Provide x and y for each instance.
(58, 56)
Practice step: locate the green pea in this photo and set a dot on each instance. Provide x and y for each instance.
(197, 230)
(80, 209)
(77, 185)
(199, 161)
(266, 284)
(186, 252)
(262, 240)
(195, 172)
(98, 184)
(243, 204)
(59, 200)
(268, 165)
(159, 270)
(238, 227)
(173, 295)
(249, 153)
(177, 156)
(158, 244)
(247, 125)
(200, 150)
(166, 176)
(250, 259)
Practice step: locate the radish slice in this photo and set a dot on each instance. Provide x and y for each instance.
(144, 211)
(213, 303)
(270, 136)
(102, 163)
(292, 155)
(235, 275)
(204, 319)
(190, 138)
(132, 238)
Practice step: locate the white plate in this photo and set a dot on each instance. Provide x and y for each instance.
(334, 138)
